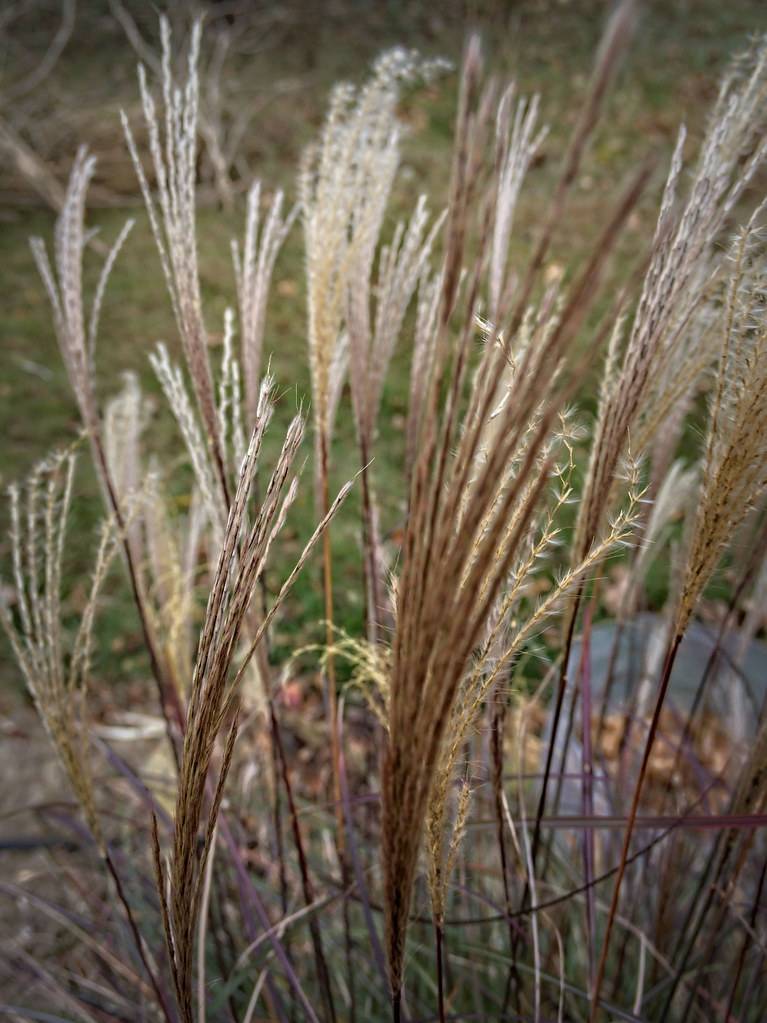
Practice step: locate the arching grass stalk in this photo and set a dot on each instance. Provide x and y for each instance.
(733, 477)
(678, 279)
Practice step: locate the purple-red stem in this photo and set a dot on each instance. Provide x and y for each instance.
(665, 678)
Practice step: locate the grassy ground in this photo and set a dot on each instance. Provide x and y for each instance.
(670, 76)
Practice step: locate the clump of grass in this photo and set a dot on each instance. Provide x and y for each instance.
(470, 513)
(213, 696)
(669, 346)
(461, 675)
(57, 677)
(57, 669)
(77, 338)
(733, 478)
